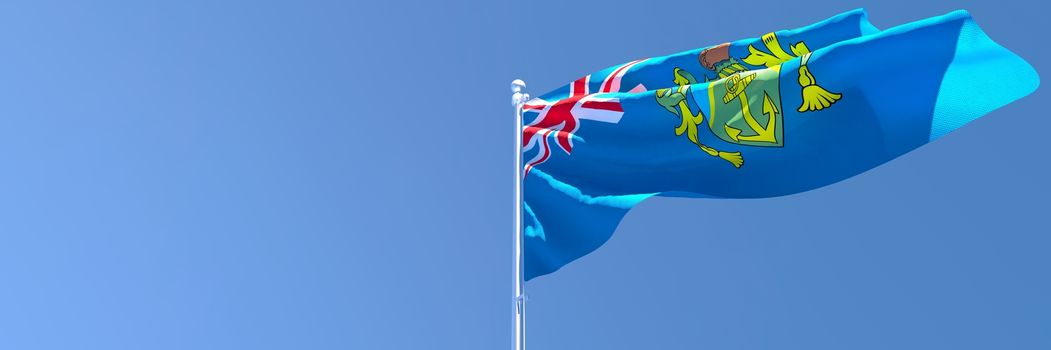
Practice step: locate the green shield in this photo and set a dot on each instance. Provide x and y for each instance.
(746, 108)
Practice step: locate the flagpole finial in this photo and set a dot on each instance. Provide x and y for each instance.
(519, 97)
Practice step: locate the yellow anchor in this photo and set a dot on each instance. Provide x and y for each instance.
(735, 89)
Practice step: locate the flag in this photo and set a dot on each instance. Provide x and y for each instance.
(798, 116)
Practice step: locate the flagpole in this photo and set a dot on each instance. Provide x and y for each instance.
(518, 99)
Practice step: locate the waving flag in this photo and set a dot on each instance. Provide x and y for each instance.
(767, 117)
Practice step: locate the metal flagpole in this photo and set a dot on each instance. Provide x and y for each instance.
(518, 99)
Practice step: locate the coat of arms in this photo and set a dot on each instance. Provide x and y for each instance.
(744, 105)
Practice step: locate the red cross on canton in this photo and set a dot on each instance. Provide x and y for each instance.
(561, 118)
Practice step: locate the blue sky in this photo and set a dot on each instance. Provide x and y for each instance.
(338, 175)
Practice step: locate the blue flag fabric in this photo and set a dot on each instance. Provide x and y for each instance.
(651, 73)
(790, 121)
